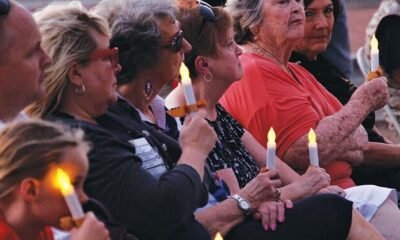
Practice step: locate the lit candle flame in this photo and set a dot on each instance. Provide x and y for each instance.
(185, 75)
(218, 236)
(271, 135)
(312, 138)
(63, 183)
(374, 43)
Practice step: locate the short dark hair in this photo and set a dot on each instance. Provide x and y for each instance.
(388, 36)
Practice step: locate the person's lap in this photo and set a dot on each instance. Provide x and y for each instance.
(320, 217)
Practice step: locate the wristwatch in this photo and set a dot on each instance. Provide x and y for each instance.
(243, 204)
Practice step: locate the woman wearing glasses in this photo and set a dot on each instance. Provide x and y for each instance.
(214, 66)
(151, 49)
(80, 85)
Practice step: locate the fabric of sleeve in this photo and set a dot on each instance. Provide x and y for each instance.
(151, 208)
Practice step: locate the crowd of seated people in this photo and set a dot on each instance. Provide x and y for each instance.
(79, 90)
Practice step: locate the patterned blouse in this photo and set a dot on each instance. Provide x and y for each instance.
(230, 151)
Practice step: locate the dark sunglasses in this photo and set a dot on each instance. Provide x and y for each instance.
(111, 53)
(207, 13)
(4, 7)
(176, 43)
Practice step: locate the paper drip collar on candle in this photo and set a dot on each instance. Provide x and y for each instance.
(218, 236)
(375, 74)
(63, 183)
(183, 110)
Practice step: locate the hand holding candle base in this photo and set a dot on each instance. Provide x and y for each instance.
(375, 74)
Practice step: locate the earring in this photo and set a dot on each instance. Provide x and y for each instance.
(148, 90)
(208, 77)
(80, 90)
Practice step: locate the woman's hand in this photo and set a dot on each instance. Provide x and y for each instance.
(262, 188)
(271, 213)
(91, 229)
(312, 181)
(197, 134)
(374, 93)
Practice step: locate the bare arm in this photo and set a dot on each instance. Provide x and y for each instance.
(259, 153)
(381, 154)
(337, 132)
(221, 217)
(224, 216)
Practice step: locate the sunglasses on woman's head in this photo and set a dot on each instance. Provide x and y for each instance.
(4, 7)
(176, 43)
(207, 13)
(112, 54)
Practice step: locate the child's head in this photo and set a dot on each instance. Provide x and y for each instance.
(30, 153)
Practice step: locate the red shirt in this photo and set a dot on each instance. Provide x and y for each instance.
(7, 233)
(267, 96)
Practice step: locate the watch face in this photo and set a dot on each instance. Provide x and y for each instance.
(244, 205)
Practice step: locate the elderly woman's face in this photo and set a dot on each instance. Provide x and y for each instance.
(171, 53)
(318, 28)
(283, 21)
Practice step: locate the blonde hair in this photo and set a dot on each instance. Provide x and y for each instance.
(66, 37)
(28, 148)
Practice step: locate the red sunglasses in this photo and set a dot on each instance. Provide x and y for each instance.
(111, 53)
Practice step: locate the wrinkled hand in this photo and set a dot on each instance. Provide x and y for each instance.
(333, 189)
(272, 212)
(374, 93)
(197, 134)
(313, 180)
(91, 229)
(261, 188)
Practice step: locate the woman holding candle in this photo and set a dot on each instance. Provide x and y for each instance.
(287, 97)
(237, 157)
(210, 32)
(151, 52)
(125, 171)
(30, 153)
(320, 16)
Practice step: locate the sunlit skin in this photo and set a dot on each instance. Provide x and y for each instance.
(318, 28)
(36, 203)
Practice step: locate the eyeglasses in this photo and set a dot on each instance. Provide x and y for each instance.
(111, 53)
(4, 7)
(207, 13)
(176, 43)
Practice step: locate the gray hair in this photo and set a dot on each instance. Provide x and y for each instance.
(246, 14)
(135, 32)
